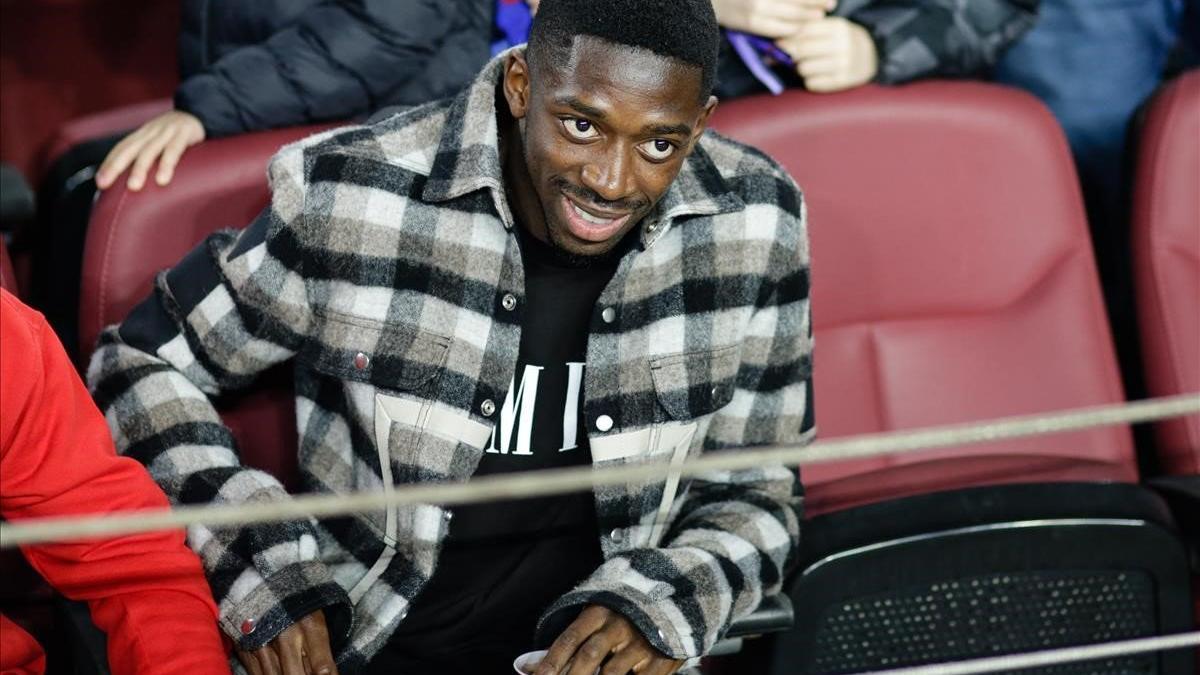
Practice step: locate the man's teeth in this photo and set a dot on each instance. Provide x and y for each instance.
(590, 218)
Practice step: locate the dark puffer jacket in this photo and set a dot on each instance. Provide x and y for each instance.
(248, 66)
(914, 39)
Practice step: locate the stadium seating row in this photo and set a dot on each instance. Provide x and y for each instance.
(953, 280)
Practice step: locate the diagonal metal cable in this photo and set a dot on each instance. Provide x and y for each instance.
(1051, 657)
(560, 481)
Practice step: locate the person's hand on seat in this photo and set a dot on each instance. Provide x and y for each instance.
(832, 54)
(770, 18)
(603, 639)
(301, 649)
(163, 138)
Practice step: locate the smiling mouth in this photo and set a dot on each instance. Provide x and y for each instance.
(589, 226)
(595, 220)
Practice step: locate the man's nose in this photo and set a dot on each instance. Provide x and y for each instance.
(611, 175)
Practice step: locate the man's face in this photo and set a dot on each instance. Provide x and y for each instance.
(603, 135)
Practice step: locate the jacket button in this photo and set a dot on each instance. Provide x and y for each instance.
(508, 302)
(361, 361)
(604, 423)
(609, 315)
(248, 626)
(487, 407)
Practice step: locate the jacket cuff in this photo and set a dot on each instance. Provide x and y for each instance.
(887, 69)
(638, 608)
(284, 598)
(202, 96)
(649, 606)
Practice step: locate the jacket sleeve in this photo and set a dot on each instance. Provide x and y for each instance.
(733, 531)
(338, 59)
(146, 591)
(939, 38)
(233, 307)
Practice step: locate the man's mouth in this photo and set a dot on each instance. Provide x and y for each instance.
(591, 225)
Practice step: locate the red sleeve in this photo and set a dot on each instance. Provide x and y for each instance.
(146, 591)
(20, 654)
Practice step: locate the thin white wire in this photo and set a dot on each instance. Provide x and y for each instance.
(560, 481)
(1051, 657)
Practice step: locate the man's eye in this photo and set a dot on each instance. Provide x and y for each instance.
(580, 129)
(658, 149)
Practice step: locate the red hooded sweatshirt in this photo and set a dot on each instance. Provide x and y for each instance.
(146, 591)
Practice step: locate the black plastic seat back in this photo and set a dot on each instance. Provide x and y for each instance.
(990, 588)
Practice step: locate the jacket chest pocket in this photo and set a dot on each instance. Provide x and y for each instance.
(693, 385)
(391, 375)
(690, 387)
(390, 357)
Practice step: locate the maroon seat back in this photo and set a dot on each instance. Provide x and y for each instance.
(134, 235)
(63, 59)
(1166, 244)
(102, 124)
(953, 281)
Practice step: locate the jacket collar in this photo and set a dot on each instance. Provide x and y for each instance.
(468, 159)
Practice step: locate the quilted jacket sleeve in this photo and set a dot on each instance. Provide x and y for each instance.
(338, 59)
(946, 38)
(233, 307)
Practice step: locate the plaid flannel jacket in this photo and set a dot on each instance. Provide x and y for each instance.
(381, 270)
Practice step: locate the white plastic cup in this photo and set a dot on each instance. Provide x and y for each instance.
(526, 662)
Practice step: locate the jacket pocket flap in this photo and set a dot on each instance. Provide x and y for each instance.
(694, 384)
(396, 357)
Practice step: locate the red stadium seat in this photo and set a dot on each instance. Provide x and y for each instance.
(64, 59)
(953, 281)
(134, 235)
(1166, 246)
(102, 124)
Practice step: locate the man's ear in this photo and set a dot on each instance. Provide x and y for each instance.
(702, 123)
(516, 84)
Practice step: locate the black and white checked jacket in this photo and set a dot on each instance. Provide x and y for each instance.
(383, 271)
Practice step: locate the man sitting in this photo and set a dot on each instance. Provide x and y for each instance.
(557, 267)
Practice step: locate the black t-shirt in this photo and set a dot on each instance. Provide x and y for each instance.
(503, 563)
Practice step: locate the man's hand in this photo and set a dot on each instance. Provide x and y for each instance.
(770, 18)
(163, 138)
(599, 634)
(302, 649)
(832, 54)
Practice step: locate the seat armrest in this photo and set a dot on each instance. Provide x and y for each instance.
(772, 616)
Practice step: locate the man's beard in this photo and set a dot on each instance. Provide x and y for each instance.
(571, 258)
(563, 257)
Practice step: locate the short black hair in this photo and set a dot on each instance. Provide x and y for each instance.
(680, 29)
